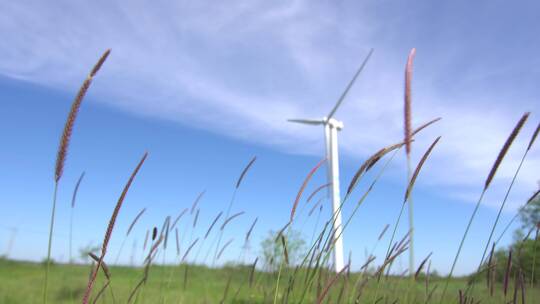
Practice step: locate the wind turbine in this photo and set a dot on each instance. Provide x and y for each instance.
(331, 128)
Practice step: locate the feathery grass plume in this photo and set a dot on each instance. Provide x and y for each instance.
(383, 232)
(189, 249)
(488, 181)
(213, 223)
(154, 233)
(224, 247)
(76, 190)
(369, 163)
(533, 138)
(72, 116)
(110, 229)
(507, 272)
(61, 157)
(315, 206)
(317, 190)
(167, 226)
(304, 184)
(239, 181)
(329, 285)
(177, 242)
(507, 145)
(505, 148)
(408, 143)
(408, 78)
(73, 199)
(422, 266)
(197, 201)
(419, 167)
(196, 218)
(179, 217)
(232, 217)
(135, 221)
(146, 239)
(251, 229)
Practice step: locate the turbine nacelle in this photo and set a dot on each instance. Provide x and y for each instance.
(332, 122)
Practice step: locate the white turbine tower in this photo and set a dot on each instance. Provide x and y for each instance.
(331, 128)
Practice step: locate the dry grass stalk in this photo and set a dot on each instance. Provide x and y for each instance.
(239, 181)
(110, 229)
(383, 232)
(505, 149)
(304, 184)
(419, 167)
(135, 221)
(427, 124)
(317, 190)
(196, 218)
(226, 290)
(101, 291)
(72, 116)
(285, 252)
(76, 190)
(197, 201)
(146, 239)
(252, 272)
(177, 242)
(179, 217)
(224, 247)
(232, 217)
(329, 285)
(490, 266)
(507, 272)
(315, 206)
(189, 249)
(213, 223)
(280, 232)
(408, 79)
(251, 229)
(166, 230)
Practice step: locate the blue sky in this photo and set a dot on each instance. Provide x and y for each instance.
(204, 87)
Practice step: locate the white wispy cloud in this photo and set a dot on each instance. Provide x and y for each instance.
(241, 68)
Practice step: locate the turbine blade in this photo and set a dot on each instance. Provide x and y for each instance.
(307, 121)
(342, 97)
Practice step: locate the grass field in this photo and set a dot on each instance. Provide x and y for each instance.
(22, 282)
